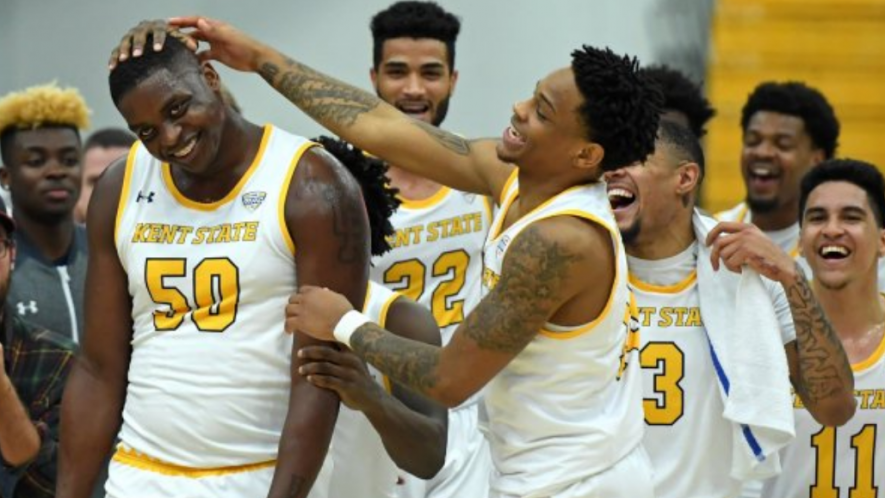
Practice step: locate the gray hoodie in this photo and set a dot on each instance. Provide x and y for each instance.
(46, 293)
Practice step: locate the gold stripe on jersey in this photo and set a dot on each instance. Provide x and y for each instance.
(663, 289)
(512, 178)
(211, 206)
(570, 334)
(132, 458)
(287, 184)
(431, 201)
(506, 201)
(124, 192)
(872, 359)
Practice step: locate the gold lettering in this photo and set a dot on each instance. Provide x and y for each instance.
(251, 231)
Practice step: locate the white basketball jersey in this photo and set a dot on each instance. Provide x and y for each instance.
(787, 239)
(436, 254)
(839, 462)
(362, 466)
(687, 438)
(209, 377)
(569, 405)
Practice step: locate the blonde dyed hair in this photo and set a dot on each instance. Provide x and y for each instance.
(43, 105)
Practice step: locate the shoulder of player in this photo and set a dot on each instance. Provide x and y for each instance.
(408, 319)
(320, 182)
(568, 235)
(106, 195)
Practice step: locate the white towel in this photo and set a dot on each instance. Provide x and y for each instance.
(751, 365)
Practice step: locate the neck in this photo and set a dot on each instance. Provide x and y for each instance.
(53, 240)
(411, 186)
(854, 309)
(777, 219)
(534, 191)
(233, 155)
(674, 237)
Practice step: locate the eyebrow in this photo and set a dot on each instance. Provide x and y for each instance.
(544, 98)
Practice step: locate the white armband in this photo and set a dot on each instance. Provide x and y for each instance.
(348, 324)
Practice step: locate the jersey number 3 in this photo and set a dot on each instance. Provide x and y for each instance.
(410, 277)
(669, 363)
(216, 284)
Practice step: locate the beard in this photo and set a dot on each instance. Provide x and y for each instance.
(631, 233)
(441, 110)
(761, 205)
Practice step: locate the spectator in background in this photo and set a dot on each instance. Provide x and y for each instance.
(41, 151)
(34, 364)
(101, 148)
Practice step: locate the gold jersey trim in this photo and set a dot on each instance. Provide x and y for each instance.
(211, 206)
(872, 359)
(429, 202)
(284, 194)
(664, 289)
(124, 192)
(135, 459)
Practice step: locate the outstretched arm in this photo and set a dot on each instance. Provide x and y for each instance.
(328, 223)
(93, 400)
(536, 281)
(819, 368)
(401, 418)
(355, 115)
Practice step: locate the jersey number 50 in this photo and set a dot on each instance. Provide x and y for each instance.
(216, 284)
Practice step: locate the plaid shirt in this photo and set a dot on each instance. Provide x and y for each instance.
(37, 362)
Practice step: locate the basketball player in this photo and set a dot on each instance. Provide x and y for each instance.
(555, 269)
(381, 421)
(192, 256)
(436, 258)
(687, 437)
(842, 202)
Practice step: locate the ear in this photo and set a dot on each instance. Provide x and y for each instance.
(211, 76)
(817, 156)
(688, 178)
(589, 156)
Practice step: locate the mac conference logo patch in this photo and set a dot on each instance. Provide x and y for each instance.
(253, 200)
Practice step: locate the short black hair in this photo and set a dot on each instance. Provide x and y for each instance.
(860, 173)
(683, 143)
(621, 108)
(411, 19)
(797, 99)
(371, 173)
(682, 95)
(129, 73)
(109, 137)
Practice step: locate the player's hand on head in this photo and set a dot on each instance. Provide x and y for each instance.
(315, 311)
(735, 244)
(342, 372)
(133, 43)
(227, 44)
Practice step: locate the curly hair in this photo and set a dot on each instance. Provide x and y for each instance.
(371, 173)
(682, 95)
(860, 173)
(129, 73)
(794, 98)
(621, 108)
(41, 106)
(411, 19)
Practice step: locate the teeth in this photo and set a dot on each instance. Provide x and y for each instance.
(621, 193)
(187, 148)
(515, 133)
(827, 250)
(762, 172)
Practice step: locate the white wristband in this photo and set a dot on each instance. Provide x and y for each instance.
(348, 324)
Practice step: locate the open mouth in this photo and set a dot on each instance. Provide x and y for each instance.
(414, 108)
(834, 252)
(763, 173)
(187, 149)
(620, 198)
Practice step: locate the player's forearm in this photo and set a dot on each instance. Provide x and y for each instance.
(19, 440)
(400, 427)
(305, 440)
(411, 363)
(90, 420)
(824, 378)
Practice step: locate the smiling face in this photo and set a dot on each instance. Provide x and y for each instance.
(545, 132)
(414, 76)
(777, 152)
(43, 172)
(840, 236)
(179, 116)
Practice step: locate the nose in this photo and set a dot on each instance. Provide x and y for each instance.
(169, 135)
(414, 87)
(764, 149)
(832, 228)
(55, 168)
(613, 175)
(520, 109)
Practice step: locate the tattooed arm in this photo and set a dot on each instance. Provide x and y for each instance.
(819, 368)
(538, 281)
(328, 224)
(358, 116)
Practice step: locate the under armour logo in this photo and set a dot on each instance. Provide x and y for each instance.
(141, 197)
(23, 308)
